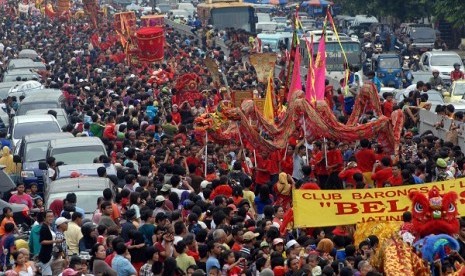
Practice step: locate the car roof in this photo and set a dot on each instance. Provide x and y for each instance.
(34, 118)
(89, 183)
(64, 171)
(442, 53)
(47, 136)
(43, 95)
(75, 142)
(20, 71)
(10, 84)
(45, 110)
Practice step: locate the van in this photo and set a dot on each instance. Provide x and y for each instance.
(42, 99)
(77, 150)
(22, 74)
(365, 20)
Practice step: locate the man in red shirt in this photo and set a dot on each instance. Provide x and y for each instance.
(381, 172)
(388, 105)
(365, 159)
(456, 74)
(262, 175)
(335, 164)
(319, 165)
(396, 178)
(347, 174)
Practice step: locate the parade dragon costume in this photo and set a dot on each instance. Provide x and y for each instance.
(434, 221)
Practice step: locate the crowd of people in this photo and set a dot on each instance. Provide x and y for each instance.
(179, 212)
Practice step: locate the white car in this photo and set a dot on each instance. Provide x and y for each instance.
(441, 61)
(32, 124)
(25, 88)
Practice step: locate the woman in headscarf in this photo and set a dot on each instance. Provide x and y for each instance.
(283, 189)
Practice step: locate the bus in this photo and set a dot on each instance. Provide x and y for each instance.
(224, 15)
(334, 56)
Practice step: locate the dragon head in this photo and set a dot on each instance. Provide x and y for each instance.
(435, 213)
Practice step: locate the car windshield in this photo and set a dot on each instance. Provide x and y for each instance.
(434, 97)
(422, 33)
(85, 199)
(36, 151)
(389, 63)
(459, 89)
(78, 155)
(445, 60)
(23, 129)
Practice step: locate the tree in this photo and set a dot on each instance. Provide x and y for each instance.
(451, 10)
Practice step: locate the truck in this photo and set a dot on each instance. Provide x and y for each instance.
(224, 15)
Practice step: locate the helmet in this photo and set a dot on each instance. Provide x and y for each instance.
(456, 64)
(435, 71)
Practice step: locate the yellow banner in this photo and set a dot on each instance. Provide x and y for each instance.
(318, 208)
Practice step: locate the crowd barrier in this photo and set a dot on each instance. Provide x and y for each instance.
(429, 120)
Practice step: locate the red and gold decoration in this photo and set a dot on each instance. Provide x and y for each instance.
(151, 41)
(187, 86)
(91, 8)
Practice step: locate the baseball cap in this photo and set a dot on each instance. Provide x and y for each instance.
(60, 221)
(159, 198)
(249, 235)
(441, 163)
(264, 244)
(204, 184)
(278, 241)
(233, 207)
(291, 243)
(166, 187)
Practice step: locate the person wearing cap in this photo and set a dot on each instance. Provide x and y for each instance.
(61, 224)
(265, 247)
(347, 174)
(248, 243)
(442, 170)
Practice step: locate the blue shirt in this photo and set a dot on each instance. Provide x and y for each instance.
(211, 262)
(122, 266)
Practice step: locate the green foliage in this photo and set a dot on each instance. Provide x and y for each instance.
(451, 10)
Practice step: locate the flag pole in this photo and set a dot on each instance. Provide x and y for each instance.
(305, 139)
(206, 152)
(325, 143)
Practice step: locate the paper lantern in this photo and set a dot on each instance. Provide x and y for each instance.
(151, 41)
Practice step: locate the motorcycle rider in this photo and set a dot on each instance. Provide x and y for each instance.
(407, 76)
(436, 80)
(456, 74)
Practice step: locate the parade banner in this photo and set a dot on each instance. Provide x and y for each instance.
(263, 63)
(240, 96)
(213, 69)
(319, 208)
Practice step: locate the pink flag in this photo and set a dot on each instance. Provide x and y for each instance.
(310, 83)
(319, 68)
(296, 82)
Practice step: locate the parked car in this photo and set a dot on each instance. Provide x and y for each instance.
(24, 88)
(87, 190)
(32, 124)
(28, 53)
(42, 99)
(422, 37)
(441, 61)
(65, 171)
(21, 74)
(25, 63)
(5, 88)
(77, 150)
(32, 149)
(62, 117)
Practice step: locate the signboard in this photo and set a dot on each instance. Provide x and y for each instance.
(240, 96)
(320, 208)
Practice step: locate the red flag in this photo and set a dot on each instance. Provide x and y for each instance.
(296, 82)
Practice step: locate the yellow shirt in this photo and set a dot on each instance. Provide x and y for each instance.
(73, 235)
(250, 196)
(183, 261)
